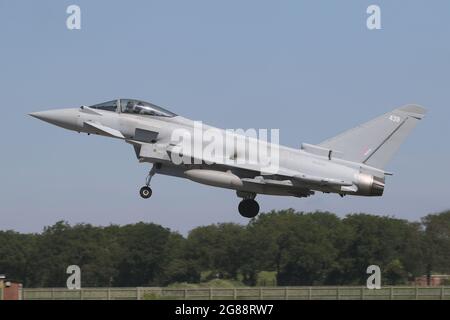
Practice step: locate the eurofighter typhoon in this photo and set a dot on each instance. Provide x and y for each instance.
(351, 163)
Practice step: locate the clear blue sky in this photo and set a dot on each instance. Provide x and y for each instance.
(309, 68)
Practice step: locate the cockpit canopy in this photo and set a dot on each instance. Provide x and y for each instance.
(134, 107)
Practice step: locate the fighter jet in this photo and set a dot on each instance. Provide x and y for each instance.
(351, 163)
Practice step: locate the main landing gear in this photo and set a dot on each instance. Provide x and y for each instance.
(248, 207)
(146, 191)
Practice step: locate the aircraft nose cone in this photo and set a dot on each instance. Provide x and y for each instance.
(41, 115)
(66, 118)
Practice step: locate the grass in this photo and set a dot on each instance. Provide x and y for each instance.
(214, 283)
(266, 279)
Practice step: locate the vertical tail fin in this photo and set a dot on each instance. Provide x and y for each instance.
(375, 142)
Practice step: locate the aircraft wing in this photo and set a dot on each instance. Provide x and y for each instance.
(154, 152)
(315, 180)
(272, 175)
(175, 150)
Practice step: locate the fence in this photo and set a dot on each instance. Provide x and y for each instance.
(241, 293)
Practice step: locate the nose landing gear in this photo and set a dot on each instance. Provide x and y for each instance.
(146, 191)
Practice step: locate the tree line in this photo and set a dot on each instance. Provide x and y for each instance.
(317, 248)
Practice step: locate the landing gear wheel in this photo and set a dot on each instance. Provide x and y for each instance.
(248, 208)
(146, 192)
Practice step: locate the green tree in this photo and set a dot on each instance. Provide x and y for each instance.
(144, 255)
(301, 248)
(62, 245)
(180, 266)
(437, 243)
(15, 250)
(382, 241)
(217, 248)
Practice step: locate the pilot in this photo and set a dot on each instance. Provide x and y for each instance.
(131, 107)
(140, 107)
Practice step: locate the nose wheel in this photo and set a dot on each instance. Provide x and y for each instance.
(146, 191)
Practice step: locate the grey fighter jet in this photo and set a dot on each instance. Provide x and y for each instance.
(351, 163)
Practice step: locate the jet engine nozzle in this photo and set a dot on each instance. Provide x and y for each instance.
(369, 185)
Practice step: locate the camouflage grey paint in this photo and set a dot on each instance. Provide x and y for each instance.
(351, 163)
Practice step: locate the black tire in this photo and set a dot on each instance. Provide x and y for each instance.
(145, 192)
(248, 208)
